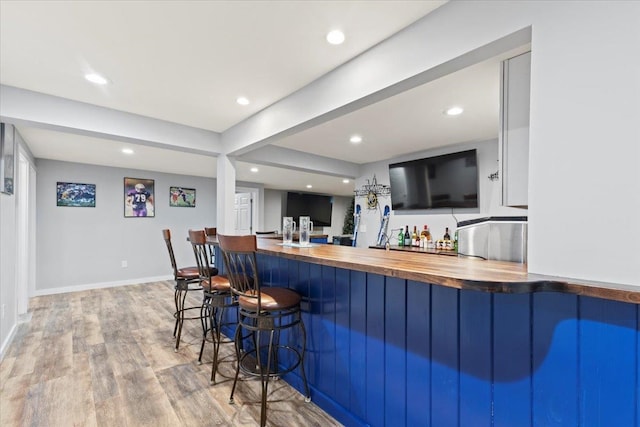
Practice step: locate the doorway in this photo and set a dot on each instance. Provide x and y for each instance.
(246, 218)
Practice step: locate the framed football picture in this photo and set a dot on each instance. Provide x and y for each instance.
(74, 194)
(138, 198)
(182, 197)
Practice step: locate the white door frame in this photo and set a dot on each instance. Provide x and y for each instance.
(25, 233)
(256, 222)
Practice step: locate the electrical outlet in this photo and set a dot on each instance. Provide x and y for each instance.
(3, 309)
(124, 264)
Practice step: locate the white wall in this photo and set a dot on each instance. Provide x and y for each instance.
(438, 219)
(82, 248)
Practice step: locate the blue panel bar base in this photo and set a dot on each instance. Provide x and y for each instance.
(385, 351)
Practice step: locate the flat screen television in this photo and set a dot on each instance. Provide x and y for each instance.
(316, 206)
(446, 181)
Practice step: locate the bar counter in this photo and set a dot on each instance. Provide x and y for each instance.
(414, 339)
(446, 270)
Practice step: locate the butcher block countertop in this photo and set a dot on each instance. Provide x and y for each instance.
(452, 271)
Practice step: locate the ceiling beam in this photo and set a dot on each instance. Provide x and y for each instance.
(287, 158)
(34, 109)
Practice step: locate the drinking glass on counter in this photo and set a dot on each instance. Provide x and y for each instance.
(306, 226)
(288, 228)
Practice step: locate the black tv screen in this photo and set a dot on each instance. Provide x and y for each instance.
(316, 206)
(447, 181)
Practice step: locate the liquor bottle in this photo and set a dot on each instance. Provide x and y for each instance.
(455, 241)
(407, 236)
(446, 234)
(414, 237)
(401, 238)
(426, 233)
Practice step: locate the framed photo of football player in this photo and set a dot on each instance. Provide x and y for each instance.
(138, 198)
(182, 197)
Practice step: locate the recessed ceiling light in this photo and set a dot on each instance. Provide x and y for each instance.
(454, 111)
(345, 181)
(127, 151)
(309, 186)
(242, 100)
(96, 78)
(356, 139)
(335, 37)
(254, 170)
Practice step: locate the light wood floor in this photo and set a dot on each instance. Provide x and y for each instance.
(105, 358)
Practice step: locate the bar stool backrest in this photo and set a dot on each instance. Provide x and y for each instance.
(210, 231)
(199, 244)
(239, 254)
(166, 234)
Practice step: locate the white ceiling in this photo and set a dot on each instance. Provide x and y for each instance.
(187, 62)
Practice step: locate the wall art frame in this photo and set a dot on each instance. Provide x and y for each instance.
(139, 200)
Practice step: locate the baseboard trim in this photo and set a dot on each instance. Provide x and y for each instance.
(102, 285)
(7, 342)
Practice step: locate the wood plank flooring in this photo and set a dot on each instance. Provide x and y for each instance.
(105, 358)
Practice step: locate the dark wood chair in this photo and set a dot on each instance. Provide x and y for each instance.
(262, 311)
(187, 280)
(217, 297)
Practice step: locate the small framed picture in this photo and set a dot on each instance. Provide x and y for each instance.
(182, 197)
(76, 195)
(138, 198)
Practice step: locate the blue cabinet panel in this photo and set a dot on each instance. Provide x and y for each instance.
(325, 329)
(342, 337)
(395, 371)
(608, 363)
(418, 354)
(445, 373)
(555, 360)
(476, 327)
(512, 360)
(357, 344)
(375, 349)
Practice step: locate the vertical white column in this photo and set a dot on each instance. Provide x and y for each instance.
(226, 188)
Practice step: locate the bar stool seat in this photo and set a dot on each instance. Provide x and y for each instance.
(262, 311)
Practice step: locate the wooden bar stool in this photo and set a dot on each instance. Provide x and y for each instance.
(262, 311)
(187, 280)
(217, 297)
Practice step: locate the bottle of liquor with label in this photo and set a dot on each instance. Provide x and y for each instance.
(415, 241)
(446, 234)
(455, 241)
(401, 238)
(407, 236)
(426, 233)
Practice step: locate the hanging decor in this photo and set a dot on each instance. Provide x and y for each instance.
(372, 191)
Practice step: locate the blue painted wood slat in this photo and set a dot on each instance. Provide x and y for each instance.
(358, 343)
(445, 351)
(512, 360)
(476, 328)
(608, 363)
(395, 369)
(418, 354)
(375, 349)
(555, 360)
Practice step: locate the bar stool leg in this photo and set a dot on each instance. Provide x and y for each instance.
(237, 339)
(303, 331)
(181, 300)
(205, 315)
